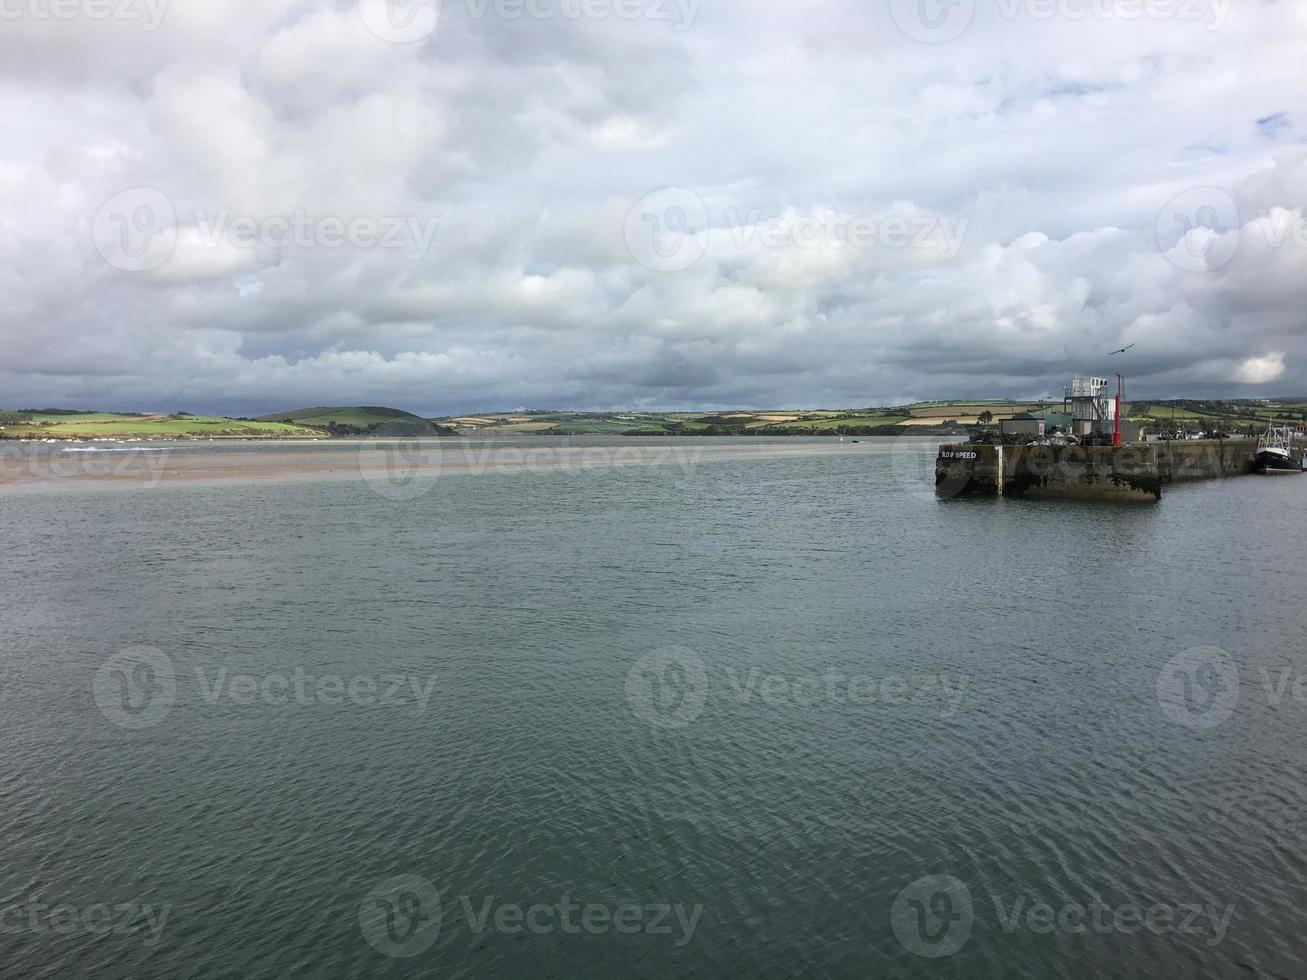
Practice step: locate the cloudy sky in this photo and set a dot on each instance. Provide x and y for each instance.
(476, 204)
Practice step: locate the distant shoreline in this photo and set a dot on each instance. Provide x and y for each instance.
(338, 440)
(393, 470)
(954, 419)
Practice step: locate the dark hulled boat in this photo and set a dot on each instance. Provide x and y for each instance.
(1275, 452)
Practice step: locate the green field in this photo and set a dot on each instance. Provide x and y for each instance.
(77, 417)
(356, 415)
(527, 427)
(922, 418)
(1158, 411)
(357, 420)
(314, 423)
(109, 425)
(1229, 416)
(609, 426)
(953, 410)
(831, 423)
(772, 422)
(306, 423)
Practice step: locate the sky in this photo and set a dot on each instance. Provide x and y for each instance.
(470, 205)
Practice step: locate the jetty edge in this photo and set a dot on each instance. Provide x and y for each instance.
(1077, 472)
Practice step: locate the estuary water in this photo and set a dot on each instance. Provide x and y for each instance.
(769, 712)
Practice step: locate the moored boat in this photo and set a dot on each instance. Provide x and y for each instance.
(1275, 452)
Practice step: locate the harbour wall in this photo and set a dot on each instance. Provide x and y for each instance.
(1204, 459)
(1131, 473)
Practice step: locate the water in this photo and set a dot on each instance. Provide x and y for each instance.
(751, 702)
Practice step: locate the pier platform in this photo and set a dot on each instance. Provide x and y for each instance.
(1132, 473)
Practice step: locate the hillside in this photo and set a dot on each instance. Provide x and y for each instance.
(921, 418)
(65, 424)
(1241, 415)
(306, 423)
(924, 418)
(359, 420)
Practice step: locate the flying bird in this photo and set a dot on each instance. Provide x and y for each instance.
(1122, 350)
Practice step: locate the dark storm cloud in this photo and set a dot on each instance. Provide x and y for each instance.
(857, 214)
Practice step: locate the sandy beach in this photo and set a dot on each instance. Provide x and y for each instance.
(386, 465)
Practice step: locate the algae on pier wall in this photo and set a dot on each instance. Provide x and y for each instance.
(1131, 473)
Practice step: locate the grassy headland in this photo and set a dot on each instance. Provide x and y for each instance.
(922, 418)
(926, 417)
(954, 418)
(357, 421)
(309, 423)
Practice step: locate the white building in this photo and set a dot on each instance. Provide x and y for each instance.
(1091, 407)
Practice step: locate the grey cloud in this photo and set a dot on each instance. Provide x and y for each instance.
(1058, 145)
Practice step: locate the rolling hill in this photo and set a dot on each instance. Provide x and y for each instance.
(359, 420)
(936, 418)
(65, 424)
(305, 423)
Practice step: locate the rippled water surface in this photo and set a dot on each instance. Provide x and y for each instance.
(717, 719)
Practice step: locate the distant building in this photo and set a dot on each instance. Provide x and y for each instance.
(1035, 425)
(1091, 408)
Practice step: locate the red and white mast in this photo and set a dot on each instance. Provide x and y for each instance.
(1116, 421)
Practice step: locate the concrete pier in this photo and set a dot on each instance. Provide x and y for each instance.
(1130, 473)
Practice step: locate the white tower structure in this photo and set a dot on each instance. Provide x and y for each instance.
(1089, 405)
